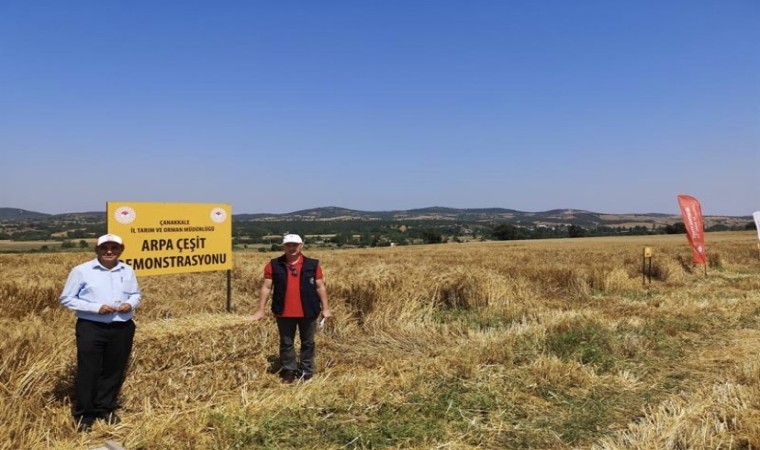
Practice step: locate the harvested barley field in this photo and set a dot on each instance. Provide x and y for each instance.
(526, 344)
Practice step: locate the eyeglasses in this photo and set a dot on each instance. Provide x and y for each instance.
(110, 248)
(293, 270)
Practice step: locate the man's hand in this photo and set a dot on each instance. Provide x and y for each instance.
(109, 309)
(106, 309)
(258, 315)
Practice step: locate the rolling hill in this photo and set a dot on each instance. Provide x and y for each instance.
(554, 217)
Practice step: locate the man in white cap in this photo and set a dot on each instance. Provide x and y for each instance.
(104, 293)
(299, 296)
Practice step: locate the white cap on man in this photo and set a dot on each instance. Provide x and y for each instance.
(109, 238)
(292, 239)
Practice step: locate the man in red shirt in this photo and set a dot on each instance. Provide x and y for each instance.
(299, 296)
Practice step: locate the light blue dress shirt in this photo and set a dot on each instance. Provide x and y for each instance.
(90, 285)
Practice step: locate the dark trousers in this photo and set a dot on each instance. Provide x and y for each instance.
(102, 355)
(307, 327)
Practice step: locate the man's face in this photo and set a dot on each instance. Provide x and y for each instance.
(291, 248)
(108, 253)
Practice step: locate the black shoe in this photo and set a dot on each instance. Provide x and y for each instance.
(84, 424)
(307, 377)
(288, 376)
(110, 418)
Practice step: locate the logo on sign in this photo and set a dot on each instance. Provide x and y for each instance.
(125, 215)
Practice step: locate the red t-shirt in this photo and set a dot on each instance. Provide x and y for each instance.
(293, 305)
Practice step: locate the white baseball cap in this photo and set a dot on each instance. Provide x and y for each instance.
(292, 239)
(109, 238)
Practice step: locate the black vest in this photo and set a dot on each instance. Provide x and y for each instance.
(308, 277)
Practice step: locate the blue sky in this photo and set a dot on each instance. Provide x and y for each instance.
(607, 106)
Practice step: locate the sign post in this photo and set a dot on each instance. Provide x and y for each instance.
(646, 272)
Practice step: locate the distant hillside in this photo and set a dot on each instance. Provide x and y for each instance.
(550, 218)
(545, 218)
(20, 214)
(93, 215)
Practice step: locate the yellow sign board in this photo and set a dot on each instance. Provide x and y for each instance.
(166, 238)
(647, 252)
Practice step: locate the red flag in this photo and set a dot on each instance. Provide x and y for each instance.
(691, 213)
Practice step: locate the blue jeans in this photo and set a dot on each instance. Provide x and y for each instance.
(307, 327)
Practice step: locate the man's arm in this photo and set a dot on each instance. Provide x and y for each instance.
(70, 296)
(322, 293)
(266, 289)
(132, 289)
